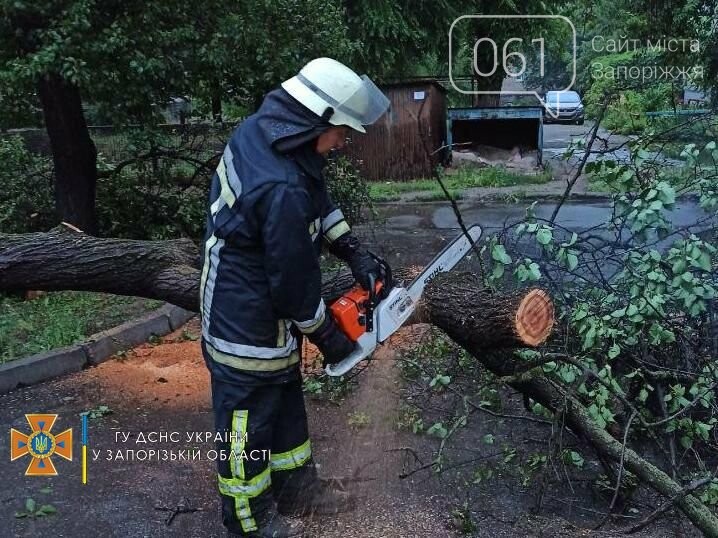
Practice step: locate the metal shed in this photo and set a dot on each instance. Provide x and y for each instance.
(400, 145)
(503, 127)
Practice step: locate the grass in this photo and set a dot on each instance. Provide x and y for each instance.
(465, 178)
(61, 319)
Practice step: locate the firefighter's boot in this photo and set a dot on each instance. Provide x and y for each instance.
(302, 492)
(274, 525)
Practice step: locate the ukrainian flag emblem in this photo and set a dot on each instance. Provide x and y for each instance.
(41, 445)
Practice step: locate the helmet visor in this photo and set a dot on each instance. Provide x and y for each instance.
(367, 104)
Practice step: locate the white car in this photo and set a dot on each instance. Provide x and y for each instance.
(563, 107)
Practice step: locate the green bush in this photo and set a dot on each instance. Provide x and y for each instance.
(632, 308)
(348, 189)
(626, 115)
(141, 204)
(159, 195)
(626, 112)
(26, 195)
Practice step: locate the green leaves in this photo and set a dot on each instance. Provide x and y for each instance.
(98, 412)
(601, 415)
(528, 271)
(440, 381)
(666, 193)
(571, 261)
(32, 511)
(498, 253)
(544, 236)
(500, 258)
(659, 335)
(438, 430)
(567, 373)
(132, 56)
(572, 457)
(46, 509)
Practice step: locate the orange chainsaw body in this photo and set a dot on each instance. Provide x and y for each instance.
(350, 311)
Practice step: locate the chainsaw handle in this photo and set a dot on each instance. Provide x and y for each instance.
(372, 289)
(385, 275)
(371, 303)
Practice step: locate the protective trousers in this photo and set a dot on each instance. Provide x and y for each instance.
(265, 453)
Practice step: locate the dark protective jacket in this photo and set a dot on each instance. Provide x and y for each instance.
(269, 212)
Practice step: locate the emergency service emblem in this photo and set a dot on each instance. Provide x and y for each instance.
(40, 445)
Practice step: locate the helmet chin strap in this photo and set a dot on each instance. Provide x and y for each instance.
(327, 115)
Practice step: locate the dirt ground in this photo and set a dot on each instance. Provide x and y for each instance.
(164, 387)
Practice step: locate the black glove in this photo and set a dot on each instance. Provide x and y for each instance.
(331, 341)
(362, 265)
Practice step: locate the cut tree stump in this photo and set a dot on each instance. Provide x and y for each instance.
(490, 320)
(534, 318)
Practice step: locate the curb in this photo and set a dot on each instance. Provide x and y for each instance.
(497, 198)
(97, 349)
(526, 197)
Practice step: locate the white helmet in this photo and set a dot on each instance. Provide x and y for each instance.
(326, 83)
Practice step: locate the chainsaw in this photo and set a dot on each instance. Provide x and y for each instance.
(369, 317)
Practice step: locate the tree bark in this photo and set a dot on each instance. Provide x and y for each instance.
(64, 259)
(506, 320)
(483, 63)
(484, 323)
(216, 100)
(73, 152)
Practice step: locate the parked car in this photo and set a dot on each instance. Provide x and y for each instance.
(567, 105)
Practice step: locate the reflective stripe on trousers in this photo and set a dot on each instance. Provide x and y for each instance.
(292, 459)
(238, 486)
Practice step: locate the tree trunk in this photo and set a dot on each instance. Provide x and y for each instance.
(73, 152)
(487, 71)
(216, 101)
(505, 320)
(487, 324)
(64, 259)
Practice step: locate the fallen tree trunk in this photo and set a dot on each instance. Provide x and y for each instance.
(66, 259)
(480, 321)
(498, 321)
(453, 302)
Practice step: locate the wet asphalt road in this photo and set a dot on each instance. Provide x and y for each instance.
(573, 215)
(410, 233)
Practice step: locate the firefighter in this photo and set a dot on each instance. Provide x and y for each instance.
(269, 212)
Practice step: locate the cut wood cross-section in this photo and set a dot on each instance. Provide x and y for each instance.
(490, 320)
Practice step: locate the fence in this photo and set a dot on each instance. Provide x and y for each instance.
(115, 144)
